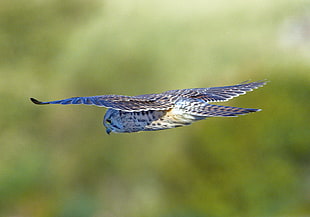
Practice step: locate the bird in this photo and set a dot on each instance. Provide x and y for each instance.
(170, 109)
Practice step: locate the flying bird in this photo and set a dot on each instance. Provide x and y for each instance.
(170, 109)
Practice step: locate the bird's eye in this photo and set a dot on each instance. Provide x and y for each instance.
(109, 121)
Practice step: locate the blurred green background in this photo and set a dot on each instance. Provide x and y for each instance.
(58, 161)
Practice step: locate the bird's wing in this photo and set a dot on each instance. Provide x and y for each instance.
(219, 94)
(199, 108)
(119, 102)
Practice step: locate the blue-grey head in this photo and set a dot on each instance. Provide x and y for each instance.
(112, 121)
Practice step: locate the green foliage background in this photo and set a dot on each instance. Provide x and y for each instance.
(58, 161)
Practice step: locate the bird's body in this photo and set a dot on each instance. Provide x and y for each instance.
(148, 120)
(170, 109)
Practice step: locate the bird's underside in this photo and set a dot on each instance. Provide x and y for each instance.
(170, 109)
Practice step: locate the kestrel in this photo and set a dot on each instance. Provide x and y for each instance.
(170, 109)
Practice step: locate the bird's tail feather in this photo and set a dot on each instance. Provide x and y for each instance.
(210, 110)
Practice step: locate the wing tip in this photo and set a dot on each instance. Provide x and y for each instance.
(259, 82)
(263, 82)
(249, 110)
(37, 102)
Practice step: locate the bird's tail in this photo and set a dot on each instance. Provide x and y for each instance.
(210, 110)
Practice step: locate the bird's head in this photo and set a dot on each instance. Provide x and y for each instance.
(112, 121)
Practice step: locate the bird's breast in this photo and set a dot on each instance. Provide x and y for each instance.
(137, 121)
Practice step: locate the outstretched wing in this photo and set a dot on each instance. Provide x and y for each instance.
(118, 102)
(164, 101)
(219, 94)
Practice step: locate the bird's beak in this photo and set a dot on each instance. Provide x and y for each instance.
(108, 131)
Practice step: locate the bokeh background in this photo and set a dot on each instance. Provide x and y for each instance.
(58, 161)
